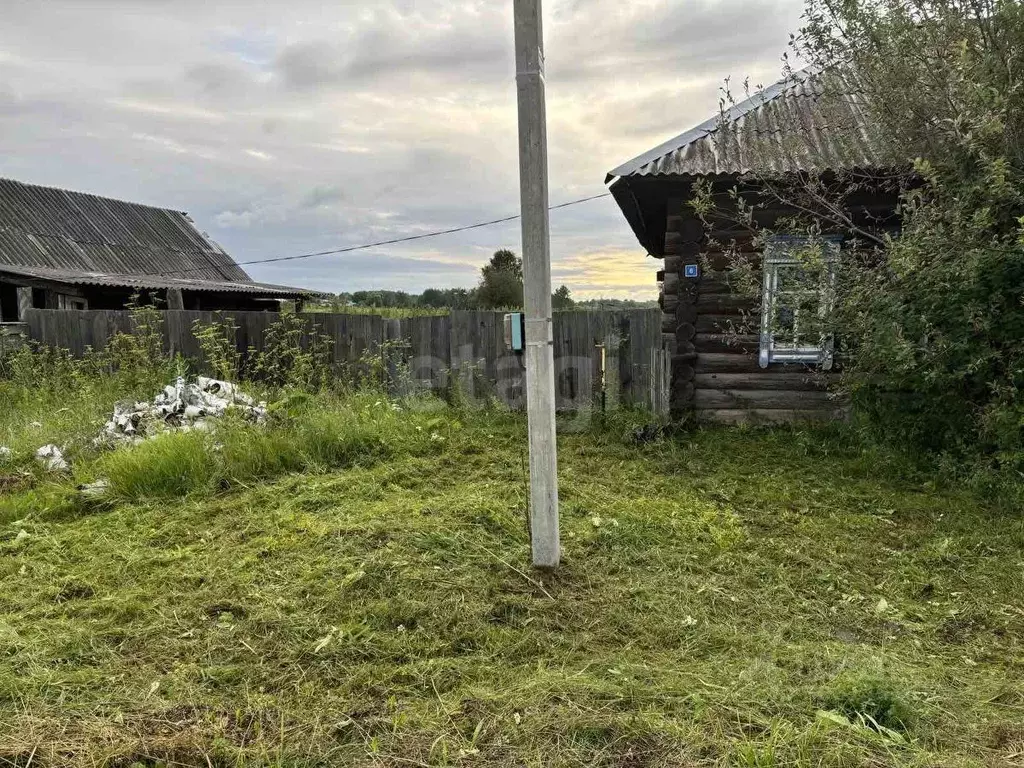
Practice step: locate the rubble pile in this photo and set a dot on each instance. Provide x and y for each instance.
(52, 458)
(181, 406)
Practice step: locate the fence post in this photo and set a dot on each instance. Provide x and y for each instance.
(612, 374)
(391, 349)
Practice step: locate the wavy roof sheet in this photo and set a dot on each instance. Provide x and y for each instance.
(814, 120)
(79, 238)
(149, 282)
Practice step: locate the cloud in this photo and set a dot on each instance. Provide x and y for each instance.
(461, 41)
(295, 126)
(310, 64)
(218, 80)
(324, 196)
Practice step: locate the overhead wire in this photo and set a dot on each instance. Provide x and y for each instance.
(392, 241)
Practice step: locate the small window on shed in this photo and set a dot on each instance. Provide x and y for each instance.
(797, 298)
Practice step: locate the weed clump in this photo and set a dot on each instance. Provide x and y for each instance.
(170, 465)
(869, 700)
(317, 434)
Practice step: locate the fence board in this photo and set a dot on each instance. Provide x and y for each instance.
(468, 344)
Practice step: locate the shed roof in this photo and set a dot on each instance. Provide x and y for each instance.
(150, 282)
(73, 237)
(813, 120)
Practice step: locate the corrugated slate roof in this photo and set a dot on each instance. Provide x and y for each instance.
(814, 120)
(77, 277)
(81, 238)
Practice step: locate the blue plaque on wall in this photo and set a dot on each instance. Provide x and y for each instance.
(691, 270)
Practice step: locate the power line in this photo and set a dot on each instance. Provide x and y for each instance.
(409, 238)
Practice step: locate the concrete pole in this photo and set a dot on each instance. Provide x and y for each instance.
(540, 368)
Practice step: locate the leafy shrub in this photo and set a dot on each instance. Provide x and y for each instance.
(218, 343)
(930, 322)
(138, 356)
(295, 355)
(48, 396)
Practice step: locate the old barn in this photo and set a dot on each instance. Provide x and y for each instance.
(69, 250)
(730, 363)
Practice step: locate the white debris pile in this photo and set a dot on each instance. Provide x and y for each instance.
(180, 406)
(51, 457)
(5, 454)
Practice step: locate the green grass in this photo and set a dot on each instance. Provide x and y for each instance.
(323, 434)
(388, 312)
(730, 597)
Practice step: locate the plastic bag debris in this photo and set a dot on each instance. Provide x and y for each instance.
(50, 456)
(181, 406)
(5, 453)
(97, 489)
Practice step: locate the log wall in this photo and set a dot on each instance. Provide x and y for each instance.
(714, 333)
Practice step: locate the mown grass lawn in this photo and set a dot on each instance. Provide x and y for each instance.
(727, 598)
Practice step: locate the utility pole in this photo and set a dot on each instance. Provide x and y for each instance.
(540, 364)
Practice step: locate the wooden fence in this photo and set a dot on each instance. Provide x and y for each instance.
(602, 358)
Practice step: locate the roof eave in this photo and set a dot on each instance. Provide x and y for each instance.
(154, 282)
(625, 198)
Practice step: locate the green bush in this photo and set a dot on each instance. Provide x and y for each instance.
(218, 342)
(295, 355)
(929, 322)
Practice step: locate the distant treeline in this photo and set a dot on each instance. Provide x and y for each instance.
(458, 298)
(501, 287)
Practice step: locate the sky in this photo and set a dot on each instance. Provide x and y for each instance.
(290, 126)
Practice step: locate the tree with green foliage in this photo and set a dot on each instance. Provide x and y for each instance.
(501, 282)
(432, 297)
(930, 321)
(562, 298)
(451, 298)
(606, 303)
(394, 299)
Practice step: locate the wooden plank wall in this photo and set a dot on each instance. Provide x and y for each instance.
(424, 352)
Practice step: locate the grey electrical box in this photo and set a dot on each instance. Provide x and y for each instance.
(515, 331)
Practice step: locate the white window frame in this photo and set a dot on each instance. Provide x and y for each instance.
(779, 255)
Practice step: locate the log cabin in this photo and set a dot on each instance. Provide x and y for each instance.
(70, 250)
(729, 362)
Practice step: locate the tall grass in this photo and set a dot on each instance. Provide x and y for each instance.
(172, 464)
(326, 433)
(391, 313)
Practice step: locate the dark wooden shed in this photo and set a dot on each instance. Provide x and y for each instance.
(728, 364)
(69, 250)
